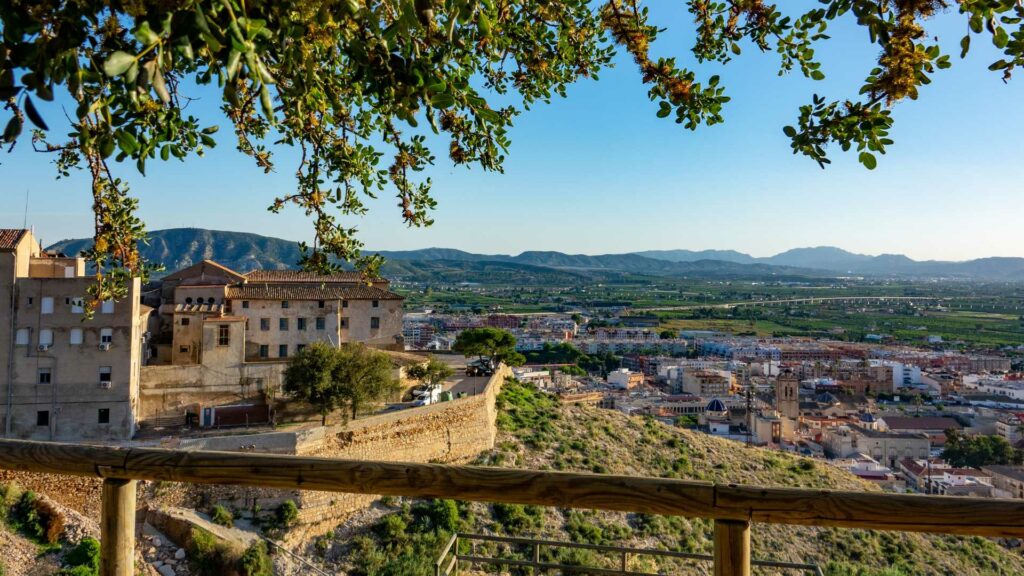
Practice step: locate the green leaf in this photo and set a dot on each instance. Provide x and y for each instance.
(161, 87)
(442, 100)
(965, 45)
(1000, 38)
(817, 75)
(145, 35)
(998, 65)
(267, 103)
(118, 63)
(33, 114)
(789, 131)
(868, 160)
(12, 130)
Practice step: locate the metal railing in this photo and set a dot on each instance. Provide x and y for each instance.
(448, 563)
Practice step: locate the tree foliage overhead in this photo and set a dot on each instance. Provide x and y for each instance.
(356, 85)
(495, 344)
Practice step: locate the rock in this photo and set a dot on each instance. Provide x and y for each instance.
(179, 554)
(157, 564)
(165, 570)
(157, 542)
(171, 562)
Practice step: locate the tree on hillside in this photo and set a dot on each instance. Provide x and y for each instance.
(309, 376)
(330, 378)
(432, 373)
(965, 451)
(365, 376)
(349, 83)
(493, 343)
(668, 334)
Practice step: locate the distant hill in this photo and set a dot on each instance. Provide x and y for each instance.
(242, 251)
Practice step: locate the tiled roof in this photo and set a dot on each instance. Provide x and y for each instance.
(9, 237)
(302, 276)
(295, 291)
(921, 423)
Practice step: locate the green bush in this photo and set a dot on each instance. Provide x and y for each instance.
(256, 561)
(287, 514)
(222, 516)
(392, 528)
(517, 518)
(83, 559)
(211, 556)
(444, 515)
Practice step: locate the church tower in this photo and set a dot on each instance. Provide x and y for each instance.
(787, 394)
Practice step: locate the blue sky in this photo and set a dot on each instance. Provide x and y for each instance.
(598, 172)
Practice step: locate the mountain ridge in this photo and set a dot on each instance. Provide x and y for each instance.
(176, 248)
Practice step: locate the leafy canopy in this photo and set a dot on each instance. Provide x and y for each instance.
(496, 344)
(351, 377)
(355, 86)
(433, 372)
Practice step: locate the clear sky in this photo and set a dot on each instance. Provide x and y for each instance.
(598, 172)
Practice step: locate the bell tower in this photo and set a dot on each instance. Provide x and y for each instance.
(787, 394)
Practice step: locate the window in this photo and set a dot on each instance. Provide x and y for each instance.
(44, 375)
(211, 300)
(75, 336)
(223, 335)
(264, 351)
(103, 416)
(43, 418)
(344, 303)
(31, 300)
(374, 322)
(188, 300)
(107, 307)
(376, 304)
(300, 324)
(245, 303)
(183, 349)
(105, 374)
(321, 323)
(319, 303)
(77, 305)
(47, 307)
(282, 351)
(282, 324)
(46, 337)
(21, 337)
(106, 335)
(186, 321)
(344, 323)
(284, 303)
(264, 324)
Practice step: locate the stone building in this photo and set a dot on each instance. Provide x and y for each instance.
(65, 377)
(787, 395)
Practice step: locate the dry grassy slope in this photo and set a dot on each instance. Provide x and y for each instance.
(537, 432)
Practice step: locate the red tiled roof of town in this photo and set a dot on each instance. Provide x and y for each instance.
(9, 237)
(303, 276)
(290, 291)
(921, 422)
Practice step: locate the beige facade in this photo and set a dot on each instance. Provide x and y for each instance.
(66, 378)
(787, 395)
(887, 448)
(708, 383)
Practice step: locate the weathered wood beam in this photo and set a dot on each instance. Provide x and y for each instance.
(117, 528)
(732, 548)
(869, 510)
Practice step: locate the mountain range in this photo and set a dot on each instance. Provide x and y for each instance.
(180, 247)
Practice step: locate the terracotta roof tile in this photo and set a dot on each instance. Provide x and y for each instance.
(302, 276)
(9, 237)
(295, 291)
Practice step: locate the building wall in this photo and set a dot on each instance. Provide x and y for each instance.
(74, 396)
(358, 315)
(273, 311)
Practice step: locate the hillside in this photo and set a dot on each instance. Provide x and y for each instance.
(537, 432)
(180, 247)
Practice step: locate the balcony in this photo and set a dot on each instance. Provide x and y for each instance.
(732, 507)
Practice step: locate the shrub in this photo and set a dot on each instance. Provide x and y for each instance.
(392, 528)
(211, 556)
(222, 516)
(83, 559)
(444, 515)
(287, 514)
(516, 517)
(256, 561)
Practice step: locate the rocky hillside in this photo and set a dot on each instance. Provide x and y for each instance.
(402, 537)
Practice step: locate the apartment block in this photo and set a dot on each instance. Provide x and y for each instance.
(66, 377)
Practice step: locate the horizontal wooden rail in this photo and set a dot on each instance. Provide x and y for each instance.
(869, 510)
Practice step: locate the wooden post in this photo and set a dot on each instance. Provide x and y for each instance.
(117, 528)
(732, 548)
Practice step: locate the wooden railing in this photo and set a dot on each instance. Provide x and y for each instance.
(732, 507)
